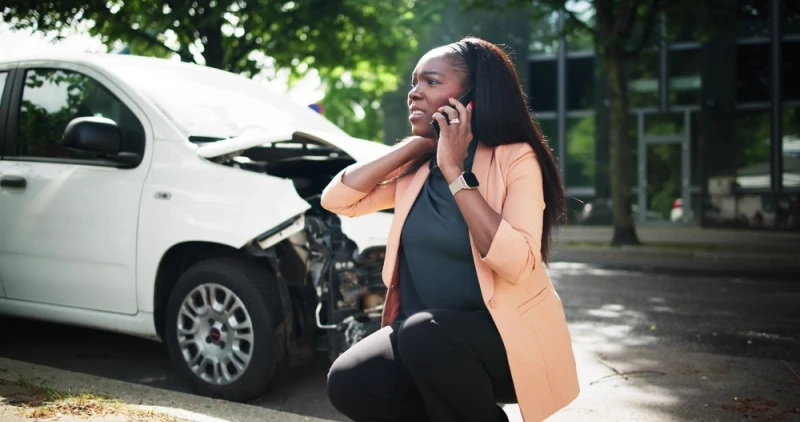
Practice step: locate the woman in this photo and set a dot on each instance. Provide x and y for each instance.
(471, 318)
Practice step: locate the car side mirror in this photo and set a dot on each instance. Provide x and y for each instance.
(99, 135)
(93, 134)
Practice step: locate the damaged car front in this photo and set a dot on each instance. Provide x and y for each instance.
(341, 258)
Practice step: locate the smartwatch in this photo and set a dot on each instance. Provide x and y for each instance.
(466, 180)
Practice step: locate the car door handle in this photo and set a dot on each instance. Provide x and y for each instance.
(13, 182)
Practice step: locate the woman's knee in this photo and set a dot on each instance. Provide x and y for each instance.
(340, 387)
(417, 338)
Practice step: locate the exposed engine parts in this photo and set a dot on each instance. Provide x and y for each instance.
(347, 282)
(350, 291)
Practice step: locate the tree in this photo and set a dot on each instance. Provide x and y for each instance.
(619, 30)
(362, 40)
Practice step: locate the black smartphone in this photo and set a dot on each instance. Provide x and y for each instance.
(464, 99)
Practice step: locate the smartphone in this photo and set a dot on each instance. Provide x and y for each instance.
(464, 99)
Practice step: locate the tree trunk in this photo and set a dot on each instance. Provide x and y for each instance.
(624, 231)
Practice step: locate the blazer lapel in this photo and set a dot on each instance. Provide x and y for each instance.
(405, 200)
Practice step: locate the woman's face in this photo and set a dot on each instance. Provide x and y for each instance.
(433, 82)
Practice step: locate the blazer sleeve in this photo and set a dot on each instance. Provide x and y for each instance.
(516, 248)
(341, 199)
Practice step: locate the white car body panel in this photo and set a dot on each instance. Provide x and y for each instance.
(73, 240)
(76, 221)
(208, 203)
(140, 325)
(358, 149)
(368, 231)
(86, 242)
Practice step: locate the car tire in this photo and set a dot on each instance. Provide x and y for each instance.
(225, 347)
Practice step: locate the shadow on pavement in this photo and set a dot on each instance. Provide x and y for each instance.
(661, 347)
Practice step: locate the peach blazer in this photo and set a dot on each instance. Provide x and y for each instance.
(515, 285)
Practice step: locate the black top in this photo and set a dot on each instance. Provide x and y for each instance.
(437, 270)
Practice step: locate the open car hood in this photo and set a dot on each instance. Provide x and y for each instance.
(358, 149)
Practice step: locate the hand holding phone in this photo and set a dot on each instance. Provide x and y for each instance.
(464, 99)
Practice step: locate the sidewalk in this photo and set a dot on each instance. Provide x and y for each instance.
(679, 386)
(681, 247)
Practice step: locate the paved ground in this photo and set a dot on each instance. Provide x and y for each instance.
(698, 346)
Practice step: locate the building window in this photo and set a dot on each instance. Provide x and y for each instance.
(790, 53)
(752, 73)
(543, 84)
(664, 124)
(580, 151)
(790, 16)
(791, 147)
(549, 128)
(580, 83)
(752, 146)
(643, 81)
(753, 18)
(684, 77)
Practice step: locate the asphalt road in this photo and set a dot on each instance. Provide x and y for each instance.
(719, 315)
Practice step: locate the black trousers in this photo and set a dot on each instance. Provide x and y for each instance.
(438, 365)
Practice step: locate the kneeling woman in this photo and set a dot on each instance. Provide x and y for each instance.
(471, 318)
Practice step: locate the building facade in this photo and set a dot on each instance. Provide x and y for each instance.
(714, 124)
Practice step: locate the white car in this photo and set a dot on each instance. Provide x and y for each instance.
(181, 203)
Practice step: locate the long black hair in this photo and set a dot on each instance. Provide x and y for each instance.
(501, 116)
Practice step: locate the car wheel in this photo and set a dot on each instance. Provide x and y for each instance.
(219, 329)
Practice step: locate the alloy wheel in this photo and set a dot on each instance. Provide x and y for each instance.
(215, 334)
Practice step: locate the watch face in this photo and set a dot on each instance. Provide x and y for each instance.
(471, 180)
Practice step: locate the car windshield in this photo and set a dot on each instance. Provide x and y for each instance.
(208, 103)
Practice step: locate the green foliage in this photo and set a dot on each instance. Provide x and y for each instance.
(580, 150)
(370, 39)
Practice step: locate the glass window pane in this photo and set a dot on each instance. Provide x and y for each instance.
(683, 30)
(753, 149)
(549, 128)
(695, 147)
(790, 14)
(753, 18)
(643, 81)
(684, 77)
(791, 147)
(664, 124)
(663, 180)
(790, 54)
(3, 78)
(52, 98)
(580, 83)
(752, 73)
(543, 84)
(580, 151)
(633, 157)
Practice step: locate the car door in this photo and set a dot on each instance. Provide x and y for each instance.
(5, 80)
(69, 219)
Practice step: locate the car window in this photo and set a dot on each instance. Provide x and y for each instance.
(51, 98)
(3, 77)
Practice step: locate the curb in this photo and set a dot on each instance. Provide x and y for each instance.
(180, 405)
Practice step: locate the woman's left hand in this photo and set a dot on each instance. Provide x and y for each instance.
(454, 139)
